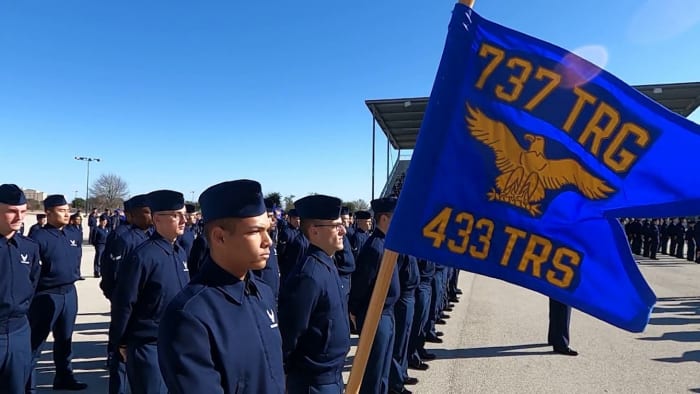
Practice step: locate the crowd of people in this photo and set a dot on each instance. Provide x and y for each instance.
(676, 237)
(237, 298)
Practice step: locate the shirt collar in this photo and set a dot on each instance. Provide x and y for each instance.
(320, 255)
(211, 274)
(163, 243)
(55, 231)
(377, 233)
(11, 241)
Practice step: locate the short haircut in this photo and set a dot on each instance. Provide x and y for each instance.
(305, 225)
(378, 215)
(228, 224)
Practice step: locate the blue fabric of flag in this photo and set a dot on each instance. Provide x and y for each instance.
(530, 154)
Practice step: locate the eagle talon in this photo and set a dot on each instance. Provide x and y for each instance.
(492, 195)
(534, 209)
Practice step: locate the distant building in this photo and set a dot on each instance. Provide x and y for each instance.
(32, 194)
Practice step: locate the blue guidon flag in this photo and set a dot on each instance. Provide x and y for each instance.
(531, 154)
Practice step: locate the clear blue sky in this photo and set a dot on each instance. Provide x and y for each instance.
(202, 92)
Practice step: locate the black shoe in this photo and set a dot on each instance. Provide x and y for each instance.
(410, 381)
(427, 356)
(453, 299)
(458, 291)
(418, 366)
(81, 278)
(451, 305)
(567, 351)
(433, 339)
(69, 384)
(439, 333)
(444, 316)
(401, 391)
(448, 309)
(440, 321)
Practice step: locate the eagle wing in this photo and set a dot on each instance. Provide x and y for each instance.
(497, 136)
(558, 173)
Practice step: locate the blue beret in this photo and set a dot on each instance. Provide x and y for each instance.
(127, 205)
(363, 215)
(104, 217)
(189, 208)
(137, 201)
(165, 200)
(293, 212)
(40, 216)
(75, 216)
(344, 211)
(54, 200)
(384, 205)
(11, 194)
(241, 198)
(318, 206)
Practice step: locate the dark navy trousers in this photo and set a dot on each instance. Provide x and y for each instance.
(296, 384)
(376, 377)
(54, 311)
(403, 320)
(96, 264)
(15, 355)
(437, 287)
(143, 371)
(117, 374)
(416, 340)
(559, 318)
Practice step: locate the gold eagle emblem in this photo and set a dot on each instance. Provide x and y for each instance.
(527, 174)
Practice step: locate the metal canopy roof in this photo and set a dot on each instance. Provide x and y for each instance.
(400, 119)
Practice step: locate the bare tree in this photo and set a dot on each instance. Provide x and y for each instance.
(109, 190)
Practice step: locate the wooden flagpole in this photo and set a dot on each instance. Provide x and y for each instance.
(376, 304)
(369, 328)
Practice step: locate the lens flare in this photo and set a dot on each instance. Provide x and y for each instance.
(583, 65)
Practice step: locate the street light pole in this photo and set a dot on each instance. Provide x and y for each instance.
(87, 181)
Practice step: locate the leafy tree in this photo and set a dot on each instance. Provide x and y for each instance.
(289, 202)
(357, 205)
(275, 197)
(351, 205)
(361, 204)
(78, 203)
